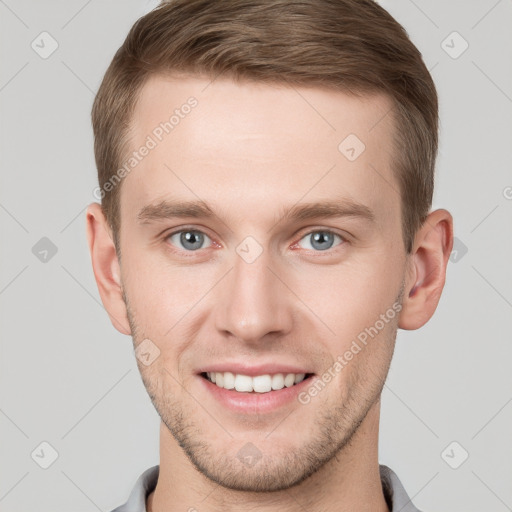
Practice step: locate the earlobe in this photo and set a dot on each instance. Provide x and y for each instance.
(427, 270)
(106, 267)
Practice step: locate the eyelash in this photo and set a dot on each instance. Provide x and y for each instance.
(327, 251)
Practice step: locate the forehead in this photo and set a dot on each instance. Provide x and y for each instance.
(252, 145)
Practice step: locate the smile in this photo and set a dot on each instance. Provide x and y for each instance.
(255, 384)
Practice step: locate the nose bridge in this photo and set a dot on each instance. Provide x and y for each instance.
(253, 301)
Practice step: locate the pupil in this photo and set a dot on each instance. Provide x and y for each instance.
(321, 237)
(192, 238)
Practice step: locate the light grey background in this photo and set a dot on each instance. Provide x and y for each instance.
(69, 378)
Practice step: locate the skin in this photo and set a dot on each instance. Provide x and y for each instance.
(252, 151)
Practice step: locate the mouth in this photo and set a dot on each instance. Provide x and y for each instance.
(258, 384)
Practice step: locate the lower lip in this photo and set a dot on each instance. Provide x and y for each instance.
(255, 402)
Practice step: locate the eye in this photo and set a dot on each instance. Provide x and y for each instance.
(190, 239)
(320, 240)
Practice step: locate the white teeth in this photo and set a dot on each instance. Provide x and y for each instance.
(299, 377)
(243, 383)
(262, 383)
(229, 380)
(277, 381)
(259, 384)
(289, 380)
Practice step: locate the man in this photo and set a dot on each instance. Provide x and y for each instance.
(266, 176)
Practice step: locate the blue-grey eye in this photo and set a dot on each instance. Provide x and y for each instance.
(189, 239)
(320, 240)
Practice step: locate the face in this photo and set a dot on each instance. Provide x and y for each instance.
(254, 247)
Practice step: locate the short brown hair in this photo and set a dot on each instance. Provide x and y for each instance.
(353, 46)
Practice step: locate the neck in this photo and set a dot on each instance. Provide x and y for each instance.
(349, 481)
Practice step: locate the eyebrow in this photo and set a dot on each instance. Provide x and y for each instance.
(303, 211)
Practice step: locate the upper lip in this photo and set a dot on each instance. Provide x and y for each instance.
(253, 370)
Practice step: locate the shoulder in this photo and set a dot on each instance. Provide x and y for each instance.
(144, 485)
(394, 492)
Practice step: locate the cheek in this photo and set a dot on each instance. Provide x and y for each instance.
(161, 294)
(350, 297)
(350, 300)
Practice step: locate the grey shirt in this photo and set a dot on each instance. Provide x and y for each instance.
(394, 492)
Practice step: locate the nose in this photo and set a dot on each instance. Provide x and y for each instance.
(253, 303)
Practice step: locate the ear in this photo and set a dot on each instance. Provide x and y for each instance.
(426, 272)
(106, 267)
